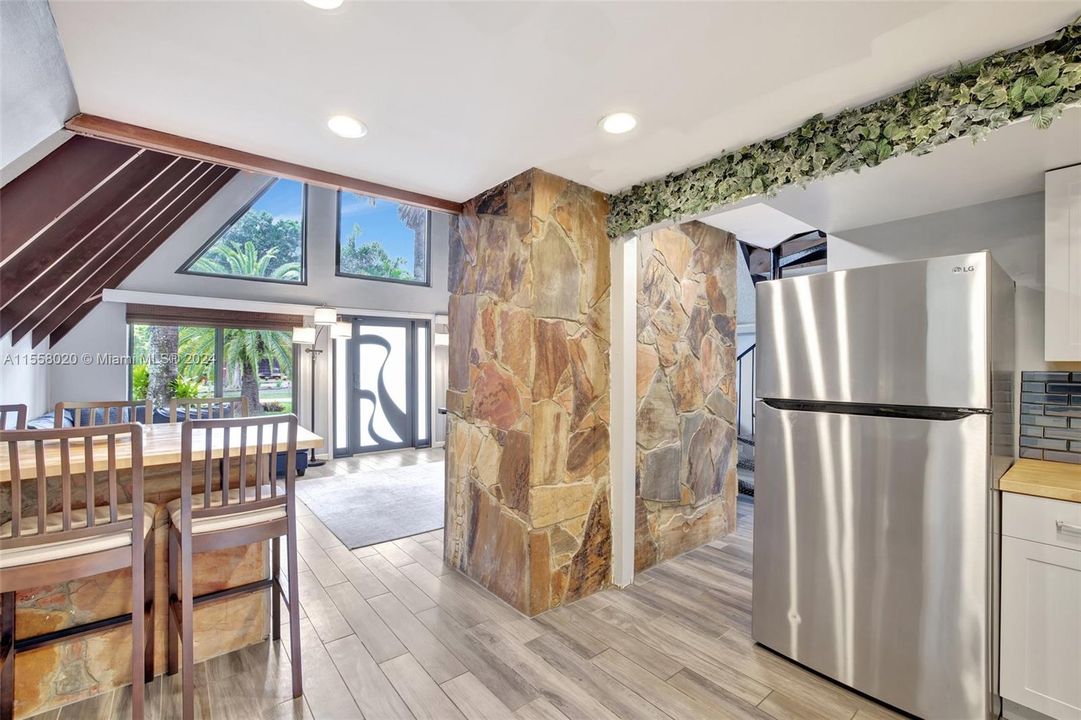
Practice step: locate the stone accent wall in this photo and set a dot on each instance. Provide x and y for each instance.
(528, 404)
(686, 388)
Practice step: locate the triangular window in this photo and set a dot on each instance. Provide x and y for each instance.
(264, 241)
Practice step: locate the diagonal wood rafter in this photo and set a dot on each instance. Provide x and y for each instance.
(109, 275)
(70, 174)
(43, 276)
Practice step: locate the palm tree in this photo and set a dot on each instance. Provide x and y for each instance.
(243, 349)
(227, 257)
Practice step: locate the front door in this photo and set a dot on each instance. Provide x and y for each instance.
(382, 386)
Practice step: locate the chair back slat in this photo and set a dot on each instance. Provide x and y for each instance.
(204, 408)
(207, 482)
(259, 463)
(112, 478)
(225, 467)
(39, 460)
(16, 488)
(65, 481)
(88, 477)
(239, 443)
(243, 472)
(14, 410)
(112, 412)
(64, 441)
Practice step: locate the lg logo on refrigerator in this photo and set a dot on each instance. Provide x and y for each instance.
(964, 269)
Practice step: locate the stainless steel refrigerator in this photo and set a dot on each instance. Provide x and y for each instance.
(885, 417)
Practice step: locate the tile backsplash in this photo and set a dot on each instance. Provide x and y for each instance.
(1051, 416)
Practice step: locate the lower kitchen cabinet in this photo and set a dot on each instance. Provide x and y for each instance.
(1041, 605)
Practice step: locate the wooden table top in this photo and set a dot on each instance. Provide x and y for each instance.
(1043, 478)
(161, 446)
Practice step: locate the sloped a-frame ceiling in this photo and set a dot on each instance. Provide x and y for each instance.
(81, 220)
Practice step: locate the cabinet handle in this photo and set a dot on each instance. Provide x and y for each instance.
(1065, 527)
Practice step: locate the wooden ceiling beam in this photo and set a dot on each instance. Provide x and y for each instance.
(40, 287)
(53, 186)
(74, 226)
(117, 131)
(111, 274)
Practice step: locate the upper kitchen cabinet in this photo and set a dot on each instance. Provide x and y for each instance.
(1062, 310)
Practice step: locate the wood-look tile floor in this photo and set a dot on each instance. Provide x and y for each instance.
(391, 632)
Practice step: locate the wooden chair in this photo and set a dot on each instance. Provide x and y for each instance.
(13, 411)
(108, 411)
(49, 548)
(240, 512)
(203, 408)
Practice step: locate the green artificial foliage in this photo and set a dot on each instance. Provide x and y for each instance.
(1037, 82)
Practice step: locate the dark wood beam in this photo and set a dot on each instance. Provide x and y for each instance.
(81, 286)
(80, 221)
(51, 187)
(111, 274)
(45, 275)
(117, 131)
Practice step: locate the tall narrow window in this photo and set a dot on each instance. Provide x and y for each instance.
(382, 239)
(264, 241)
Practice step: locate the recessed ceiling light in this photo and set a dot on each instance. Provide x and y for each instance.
(325, 4)
(346, 126)
(618, 123)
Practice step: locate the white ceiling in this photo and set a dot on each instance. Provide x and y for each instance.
(458, 96)
(1010, 162)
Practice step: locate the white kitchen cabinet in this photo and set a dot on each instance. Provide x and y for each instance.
(1041, 605)
(1062, 257)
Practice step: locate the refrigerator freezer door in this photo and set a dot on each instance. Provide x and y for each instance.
(911, 333)
(872, 554)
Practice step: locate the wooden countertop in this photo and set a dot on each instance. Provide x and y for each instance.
(1055, 480)
(161, 446)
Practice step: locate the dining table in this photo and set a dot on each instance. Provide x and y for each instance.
(54, 675)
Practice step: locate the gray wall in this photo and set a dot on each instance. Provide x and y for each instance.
(103, 333)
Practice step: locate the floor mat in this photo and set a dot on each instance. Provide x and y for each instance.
(370, 507)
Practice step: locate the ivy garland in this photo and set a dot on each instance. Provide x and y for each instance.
(1038, 82)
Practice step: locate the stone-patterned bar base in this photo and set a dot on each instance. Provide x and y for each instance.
(64, 673)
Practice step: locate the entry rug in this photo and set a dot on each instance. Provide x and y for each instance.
(371, 507)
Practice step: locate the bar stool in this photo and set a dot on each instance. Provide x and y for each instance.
(250, 512)
(49, 548)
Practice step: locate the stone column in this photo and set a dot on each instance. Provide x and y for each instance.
(528, 406)
(686, 387)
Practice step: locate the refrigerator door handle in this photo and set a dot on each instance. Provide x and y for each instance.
(873, 409)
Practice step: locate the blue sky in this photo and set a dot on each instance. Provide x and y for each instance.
(284, 199)
(378, 220)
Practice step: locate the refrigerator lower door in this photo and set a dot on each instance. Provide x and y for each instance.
(872, 554)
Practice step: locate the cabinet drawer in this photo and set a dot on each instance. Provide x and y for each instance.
(1053, 522)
